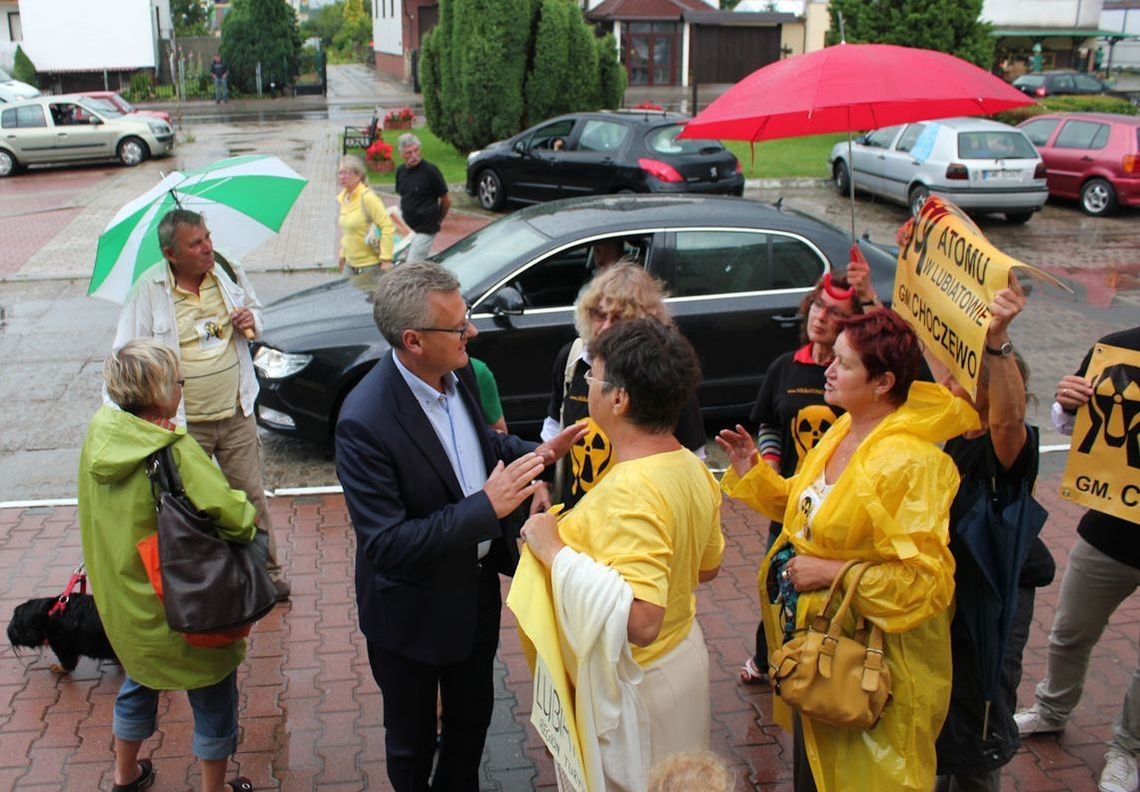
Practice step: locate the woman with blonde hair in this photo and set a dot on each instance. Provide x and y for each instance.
(116, 513)
(621, 292)
(360, 210)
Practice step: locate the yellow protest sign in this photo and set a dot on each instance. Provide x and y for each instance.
(552, 712)
(947, 276)
(1103, 468)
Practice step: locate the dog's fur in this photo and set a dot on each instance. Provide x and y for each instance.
(77, 631)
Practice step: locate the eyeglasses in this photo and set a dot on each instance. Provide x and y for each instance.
(462, 332)
(181, 383)
(600, 316)
(831, 311)
(601, 383)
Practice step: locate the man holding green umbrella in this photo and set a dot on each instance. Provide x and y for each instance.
(207, 312)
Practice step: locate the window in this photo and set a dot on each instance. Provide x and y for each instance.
(910, 137)
(664, 140)
(1039, 130)
(995, 144)
(1082, 135)
(733, 262)
(881, 138)
(23, 117)
(1087, 84)
(545, 137)
(555, 282)
(15, 30)
(1063, 83)
(602, 136)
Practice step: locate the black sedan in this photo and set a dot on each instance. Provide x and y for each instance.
(1060, 83)
(598, 154)
(736, 272)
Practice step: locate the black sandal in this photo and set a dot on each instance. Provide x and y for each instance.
(145, 779)
(240, 784)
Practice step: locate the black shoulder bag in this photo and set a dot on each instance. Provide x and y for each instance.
(209, 585)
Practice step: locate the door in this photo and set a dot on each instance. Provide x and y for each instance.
(1074, 151)
(80, 134)
(902, 161)
(589, 165)
(651, 53)
(27, 134)
(537, 163)
(870, 159)
(736, 293)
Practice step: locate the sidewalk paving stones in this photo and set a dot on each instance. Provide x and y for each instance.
(311, 715)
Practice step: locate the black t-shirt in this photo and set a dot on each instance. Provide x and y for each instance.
(591, 457)
(218, 69)
(420, 189)
(791, 402)
(1114, 536)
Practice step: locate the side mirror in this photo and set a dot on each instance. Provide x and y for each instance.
(95, 121)
(507, 301)
(522, 148)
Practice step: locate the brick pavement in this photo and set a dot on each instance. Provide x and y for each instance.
(311, 714)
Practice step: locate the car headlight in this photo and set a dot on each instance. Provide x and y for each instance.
(275, 364)
(474, 154)
(158, 128)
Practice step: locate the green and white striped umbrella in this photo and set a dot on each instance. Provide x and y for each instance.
(245, 201)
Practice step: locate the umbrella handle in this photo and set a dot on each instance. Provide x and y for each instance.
(248, 333)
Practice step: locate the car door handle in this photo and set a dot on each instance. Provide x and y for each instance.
(1086, 159)
(787, 321)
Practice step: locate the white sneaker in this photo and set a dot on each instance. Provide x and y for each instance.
(1119, 774)
(1033, 721)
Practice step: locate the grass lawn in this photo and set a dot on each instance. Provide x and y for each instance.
(786, 158)
(775, 159)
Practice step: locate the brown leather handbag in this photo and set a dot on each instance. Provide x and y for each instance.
(828, 677)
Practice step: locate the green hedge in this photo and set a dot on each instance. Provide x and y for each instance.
(1068, 104)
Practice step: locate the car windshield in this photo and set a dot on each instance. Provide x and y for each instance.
(104, 106)
(664, 140)
(477, 257)
(995, 145)
(1029, 80)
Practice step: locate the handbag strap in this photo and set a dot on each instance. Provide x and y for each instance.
(874, 658)
(163, 472)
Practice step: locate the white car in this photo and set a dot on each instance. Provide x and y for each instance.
(981, 165)
(12, 90)
(56, 129)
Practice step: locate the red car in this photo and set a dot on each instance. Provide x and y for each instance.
(123, 106)
(1093, 157)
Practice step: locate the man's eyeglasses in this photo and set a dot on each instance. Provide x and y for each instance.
(462, 332)
(601, 383)
(831, 311)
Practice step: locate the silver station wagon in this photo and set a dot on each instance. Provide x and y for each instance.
(982, 166)
(60, 129)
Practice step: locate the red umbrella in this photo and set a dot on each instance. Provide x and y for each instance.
(852, 87)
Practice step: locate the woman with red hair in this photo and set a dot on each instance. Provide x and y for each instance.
(875, 488)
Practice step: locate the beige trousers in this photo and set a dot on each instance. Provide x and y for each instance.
(675, 691)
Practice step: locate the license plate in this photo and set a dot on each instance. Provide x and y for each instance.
(1001, 175)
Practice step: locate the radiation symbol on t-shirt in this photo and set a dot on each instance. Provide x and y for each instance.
(1114, 410)
(809, 426)
(590, 458)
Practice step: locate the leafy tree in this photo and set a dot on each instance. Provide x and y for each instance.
(324, 23)
(352, 40)
(190, 17)
(491, 65)
(951, 26)
(265, 32)
(22, 68)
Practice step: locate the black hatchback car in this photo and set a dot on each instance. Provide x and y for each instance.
(736, 272)
(1059, 83)
(601, 153)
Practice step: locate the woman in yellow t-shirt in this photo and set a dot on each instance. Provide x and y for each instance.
(360, 209)
(654, 518)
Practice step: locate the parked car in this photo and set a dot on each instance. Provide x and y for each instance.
(114, 101)
(1093, 157)
(980, 165)
(735, 270)
(598, 154)
(12, 90)
(53, 129)
(1062, 81)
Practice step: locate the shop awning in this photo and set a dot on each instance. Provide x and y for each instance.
(1060, 33)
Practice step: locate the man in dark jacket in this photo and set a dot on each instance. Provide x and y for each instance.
(424, 200)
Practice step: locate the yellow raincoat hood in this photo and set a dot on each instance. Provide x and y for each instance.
(890, 506)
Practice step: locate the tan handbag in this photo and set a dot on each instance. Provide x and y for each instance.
(829, 677)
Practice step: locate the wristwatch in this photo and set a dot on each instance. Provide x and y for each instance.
(1005, 350)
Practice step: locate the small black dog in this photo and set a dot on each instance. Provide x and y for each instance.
(76, 631)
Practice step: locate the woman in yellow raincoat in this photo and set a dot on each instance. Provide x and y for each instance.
(875, 488)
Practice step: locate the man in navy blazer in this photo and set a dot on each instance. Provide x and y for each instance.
(427, 485)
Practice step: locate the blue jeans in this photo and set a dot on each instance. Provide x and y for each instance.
(215, 715)
(221, 89)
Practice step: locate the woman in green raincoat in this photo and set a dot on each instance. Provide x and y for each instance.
(116, 512)
(876, 488)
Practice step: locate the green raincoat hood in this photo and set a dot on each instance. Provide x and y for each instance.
(118, 441)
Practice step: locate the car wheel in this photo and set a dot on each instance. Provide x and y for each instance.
(1019, 218)
(8, 164)
(841, 177)
(132, 151)
(491, 193)
(918, 196)
(1097, 197)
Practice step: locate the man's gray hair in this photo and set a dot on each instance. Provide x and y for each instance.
(170, 222)
(407, 140)
(400, 302)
